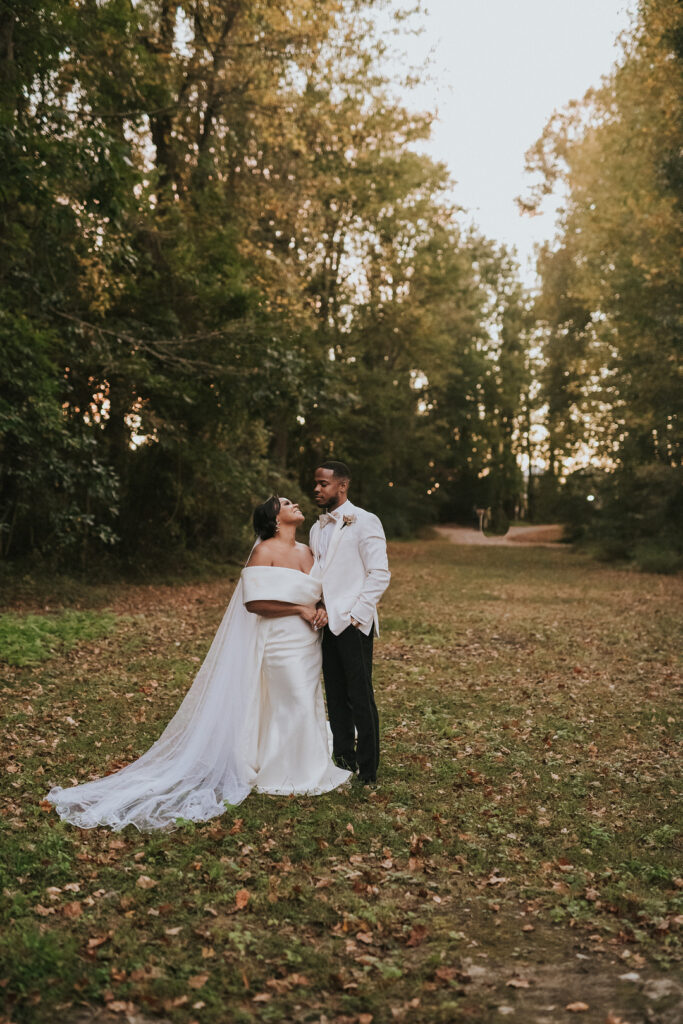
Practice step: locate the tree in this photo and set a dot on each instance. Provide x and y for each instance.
(611, 298)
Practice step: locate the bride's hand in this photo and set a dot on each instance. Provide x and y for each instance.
(314, 616)
(320, 618)
(308, 613)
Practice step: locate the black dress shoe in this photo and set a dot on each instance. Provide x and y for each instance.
(341, 762)
(367, 780)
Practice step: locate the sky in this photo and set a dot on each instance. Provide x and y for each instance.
(499, 69)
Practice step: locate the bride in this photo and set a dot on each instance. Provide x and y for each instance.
(254, 716)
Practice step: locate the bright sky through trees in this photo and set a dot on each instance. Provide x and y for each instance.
(499, 70)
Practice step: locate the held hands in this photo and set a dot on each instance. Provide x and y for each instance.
(315, 616)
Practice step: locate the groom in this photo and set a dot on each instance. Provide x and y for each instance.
(350, 547)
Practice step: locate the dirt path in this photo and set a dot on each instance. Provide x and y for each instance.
(547, 536)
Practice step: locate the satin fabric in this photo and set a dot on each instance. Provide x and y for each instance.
(293, 753)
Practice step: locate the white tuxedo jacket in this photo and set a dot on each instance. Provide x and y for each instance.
(355, 572)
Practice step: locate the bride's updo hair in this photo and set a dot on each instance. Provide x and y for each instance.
(265, 518)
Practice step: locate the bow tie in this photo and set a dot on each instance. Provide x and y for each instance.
(326, 518)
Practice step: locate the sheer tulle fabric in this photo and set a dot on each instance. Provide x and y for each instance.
(208, 755)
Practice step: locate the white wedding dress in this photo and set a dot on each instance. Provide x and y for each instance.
(253, 719)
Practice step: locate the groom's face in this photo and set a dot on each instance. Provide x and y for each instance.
(329, 490)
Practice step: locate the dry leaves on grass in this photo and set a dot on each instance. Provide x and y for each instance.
(577, 1007)
(241, 898)
(121, 1006)
(290, 981)
(145, 882)
(449, 974)
(198, 980)
(418, 934)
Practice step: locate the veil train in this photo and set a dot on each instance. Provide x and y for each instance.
(201, 761)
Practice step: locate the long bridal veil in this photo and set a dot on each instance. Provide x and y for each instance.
(202, 759)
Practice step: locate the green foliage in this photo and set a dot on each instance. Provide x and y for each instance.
(185, 256)
(610, 304)
(30, 639)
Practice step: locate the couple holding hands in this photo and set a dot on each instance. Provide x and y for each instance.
(254, 717)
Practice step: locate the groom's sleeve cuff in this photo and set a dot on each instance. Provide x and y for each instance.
(364, 618)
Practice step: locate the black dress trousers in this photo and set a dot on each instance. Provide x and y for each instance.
(347, 671)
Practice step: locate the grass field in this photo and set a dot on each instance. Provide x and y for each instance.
(517, 859)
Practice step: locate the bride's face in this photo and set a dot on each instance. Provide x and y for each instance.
(290, 512)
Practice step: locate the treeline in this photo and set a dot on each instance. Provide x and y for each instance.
(222, 262)
(223, 259)
(610, 309)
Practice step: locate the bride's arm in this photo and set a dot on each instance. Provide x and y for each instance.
(314, 615)
(276, 609)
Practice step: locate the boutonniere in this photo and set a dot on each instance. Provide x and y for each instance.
(348, 521)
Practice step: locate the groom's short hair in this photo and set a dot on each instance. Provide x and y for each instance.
(339, 469)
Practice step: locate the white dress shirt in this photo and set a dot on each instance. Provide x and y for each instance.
(327, 529)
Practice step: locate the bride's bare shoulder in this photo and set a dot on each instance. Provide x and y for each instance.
(262, 554)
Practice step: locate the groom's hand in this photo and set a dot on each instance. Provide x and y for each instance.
(355, 623)
(314, 615)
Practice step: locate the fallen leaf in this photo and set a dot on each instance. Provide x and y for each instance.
(365, 937)
(262, 997)
(170, 1004)
(577, 1007)
(97, 940)
(418, 934)
(518, 983)
(145, 882)
(241, 898)
(198, 980)
(448, 974)
(72, 909)
(173, 931)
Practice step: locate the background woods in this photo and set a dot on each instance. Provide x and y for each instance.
(224, 258)
(610, 303)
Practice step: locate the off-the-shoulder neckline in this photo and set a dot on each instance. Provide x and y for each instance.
(285, 567)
